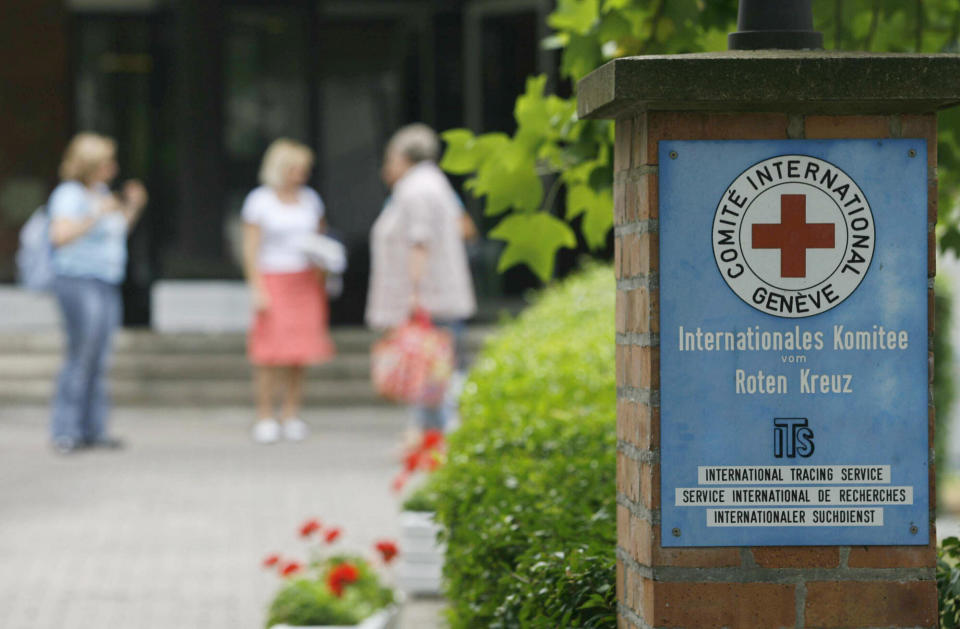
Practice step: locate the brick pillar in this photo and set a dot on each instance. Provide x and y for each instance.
(665, 98)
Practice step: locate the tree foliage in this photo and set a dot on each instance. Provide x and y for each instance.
(554, 155)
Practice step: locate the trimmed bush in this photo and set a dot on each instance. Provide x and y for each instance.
(948, 583)
(528, 496)
(943, 393)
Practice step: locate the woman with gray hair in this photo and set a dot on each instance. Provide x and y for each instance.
(418, 257)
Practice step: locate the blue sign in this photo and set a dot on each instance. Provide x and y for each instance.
(793, 342)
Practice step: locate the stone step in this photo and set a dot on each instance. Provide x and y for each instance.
(196, 392)
(180, 366)
(177, 369)
(347, 340)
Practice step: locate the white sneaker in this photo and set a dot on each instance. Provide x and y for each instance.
(295, 429)
(266, 431)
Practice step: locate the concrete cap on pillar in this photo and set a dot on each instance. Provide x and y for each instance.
(793, 81)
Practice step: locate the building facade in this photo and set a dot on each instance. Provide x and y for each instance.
(195, 91)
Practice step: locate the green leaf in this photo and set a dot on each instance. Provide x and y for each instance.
(460, 156)
(552, 156)
(579, 198)
(596, 206)
(578, 174)
(533, 240)
(509, 179)
(613, 27)
(577, 16)
(581, 56)
(465, 152)
(531, 112)
(950, 240)
(540, 118)
(684, 14)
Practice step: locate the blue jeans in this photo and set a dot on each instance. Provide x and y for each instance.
(91, 314)
(437, 417)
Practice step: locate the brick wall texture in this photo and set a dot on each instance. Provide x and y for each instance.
(760, 587)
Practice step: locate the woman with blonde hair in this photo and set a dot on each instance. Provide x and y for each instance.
(88, 230)
(290, 327)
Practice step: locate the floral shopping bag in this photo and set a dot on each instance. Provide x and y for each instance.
(414, 362)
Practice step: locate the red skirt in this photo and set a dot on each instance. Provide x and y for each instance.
(294, 329)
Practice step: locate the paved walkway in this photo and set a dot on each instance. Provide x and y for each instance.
(169, 533)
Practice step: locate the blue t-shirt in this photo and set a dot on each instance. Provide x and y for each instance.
(101, 253)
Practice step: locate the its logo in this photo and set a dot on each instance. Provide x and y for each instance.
(793, 236)
(792, 438)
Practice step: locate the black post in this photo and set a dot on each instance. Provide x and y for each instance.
(781, 24)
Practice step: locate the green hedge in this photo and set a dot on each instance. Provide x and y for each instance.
(943, 393)
(528, 496)
(948, 583)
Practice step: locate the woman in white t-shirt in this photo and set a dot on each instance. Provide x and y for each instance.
(290, 328)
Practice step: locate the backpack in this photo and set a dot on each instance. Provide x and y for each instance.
(35, 253)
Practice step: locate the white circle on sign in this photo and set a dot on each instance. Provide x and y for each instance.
(822, 214)
(793, 236)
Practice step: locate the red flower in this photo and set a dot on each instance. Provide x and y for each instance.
(388, 550)
(340, 576)
(309, 527)
(332, 535)
(271, 560)
(432, 439)
(411, 461)
(399, 481)
(290, 568)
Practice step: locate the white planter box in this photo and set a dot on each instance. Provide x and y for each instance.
(420, 565)
(384, 619)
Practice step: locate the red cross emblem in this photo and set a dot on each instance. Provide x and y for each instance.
(793, 235)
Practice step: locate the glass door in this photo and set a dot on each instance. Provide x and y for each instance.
(370, 63)
(118, 91)
(267, 60)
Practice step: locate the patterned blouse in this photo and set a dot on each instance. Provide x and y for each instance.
(423, 209)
